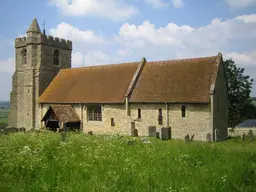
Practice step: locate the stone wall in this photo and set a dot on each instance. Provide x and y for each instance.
(197, 120)
(31, 79)
(240, 131)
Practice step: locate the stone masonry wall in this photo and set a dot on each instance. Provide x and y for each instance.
(197, 120)
(31, 79)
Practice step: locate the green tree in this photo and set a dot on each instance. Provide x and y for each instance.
(239, 89)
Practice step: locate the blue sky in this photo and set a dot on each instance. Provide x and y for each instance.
(114, 31)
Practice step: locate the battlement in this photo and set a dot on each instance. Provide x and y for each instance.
(57, 39)
(18, 39)
(43, 39)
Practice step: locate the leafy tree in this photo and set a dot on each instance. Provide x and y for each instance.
(239, 85)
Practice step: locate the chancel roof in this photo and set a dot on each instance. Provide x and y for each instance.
(177, 81)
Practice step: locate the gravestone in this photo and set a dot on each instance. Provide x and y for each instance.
(186, 139)
(208, 137)
(243, 136)
(90, 133)
(151, 131)
(165, 133)
(157, 135)
(135, 133)
(251, 136)
(216, 133)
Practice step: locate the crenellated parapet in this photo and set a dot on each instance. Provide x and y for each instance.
(43, 39)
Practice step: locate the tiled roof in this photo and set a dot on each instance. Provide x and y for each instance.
(93, 84)
(186, 80)
(64, 113)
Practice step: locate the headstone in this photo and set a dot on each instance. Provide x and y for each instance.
(186, 139)
(151, 131)
(165, 133)
(216, 132)
(90, 133)
(251, 136)
(157, 135)
(135, 133)
(243, 136)
(208, 137)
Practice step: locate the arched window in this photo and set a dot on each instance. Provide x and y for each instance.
(139, 113)
(183, 111)
(24, 56)
(56, 57)
(160, 117)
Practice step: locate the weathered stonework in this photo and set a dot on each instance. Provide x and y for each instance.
(196, 122)
(32, 78)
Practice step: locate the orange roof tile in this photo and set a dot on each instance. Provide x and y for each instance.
(64, 113)
(93, 84)
(185, 80)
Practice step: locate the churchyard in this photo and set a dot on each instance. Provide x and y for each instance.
(48, 161)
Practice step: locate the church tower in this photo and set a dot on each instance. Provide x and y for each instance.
(38, 60)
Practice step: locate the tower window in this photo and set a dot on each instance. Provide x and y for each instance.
(183, 111)
(24, 56)
(139, 113)
(160, 117)
(56, 57)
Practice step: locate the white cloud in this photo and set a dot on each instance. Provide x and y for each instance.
(7, 65)
(67, 31)
(112, 9)
(247, 18)
(172, 40)
(77, 59)
(80, 59)
(178, 3)
(240, 4)
(157, 3)
(123, 52)
(97, 58)
(244, 59)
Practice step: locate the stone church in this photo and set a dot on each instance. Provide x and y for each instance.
(187, 95)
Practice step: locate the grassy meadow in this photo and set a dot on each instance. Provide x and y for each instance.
(42, 162)
(4, 117)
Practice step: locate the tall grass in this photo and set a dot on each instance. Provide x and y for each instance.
(41, 162)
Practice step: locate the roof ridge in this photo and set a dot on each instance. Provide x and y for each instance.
(104, 65)
(185, 59)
